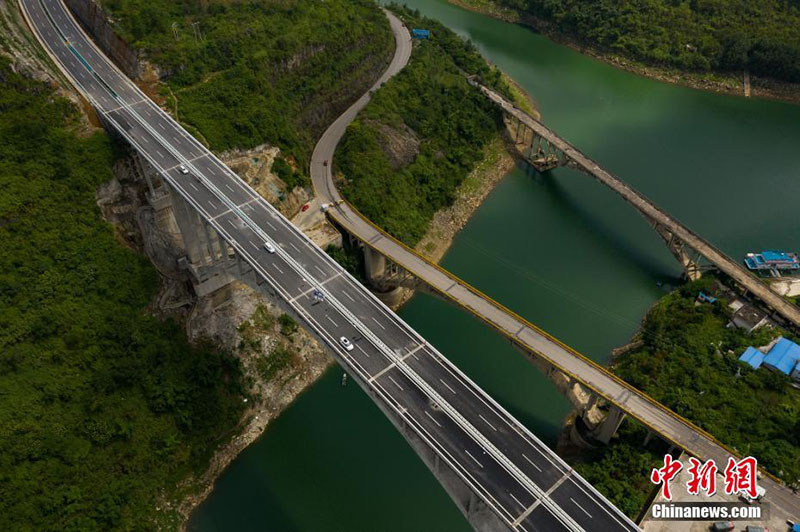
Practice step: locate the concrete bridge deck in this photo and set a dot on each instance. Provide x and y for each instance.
(524, 334)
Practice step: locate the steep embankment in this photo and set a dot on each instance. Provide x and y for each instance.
(731, 46)
(407, 155)
(251, 72)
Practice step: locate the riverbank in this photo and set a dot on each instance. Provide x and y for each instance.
(739, 84)
(499, 158)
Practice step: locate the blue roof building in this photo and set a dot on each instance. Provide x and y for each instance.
(752, 356)
(784, 356)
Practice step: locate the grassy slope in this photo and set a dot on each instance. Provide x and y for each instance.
(102, 407)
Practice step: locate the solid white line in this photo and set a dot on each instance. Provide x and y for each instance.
(476, 461)
(277, 267)
(379, 323)
(330, 320)
(487, 422)
(432, 419)
(395, 383)
(348, 296)
(517, 500)
(539, 469)
(581, 507)
(447, 385)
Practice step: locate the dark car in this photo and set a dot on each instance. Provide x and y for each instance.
(723, 526)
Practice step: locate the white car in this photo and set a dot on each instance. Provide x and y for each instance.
(269, 247)
(760, 492)
(182, 169)
(347, 344)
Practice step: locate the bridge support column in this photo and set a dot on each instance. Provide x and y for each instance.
(691, 267)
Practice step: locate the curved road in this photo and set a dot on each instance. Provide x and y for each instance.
(518, 330)
(324, 189)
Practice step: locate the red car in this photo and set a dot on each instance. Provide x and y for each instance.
(305, 207)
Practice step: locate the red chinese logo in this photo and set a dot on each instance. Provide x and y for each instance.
(741, 477)
(702, 476)
(665, 474)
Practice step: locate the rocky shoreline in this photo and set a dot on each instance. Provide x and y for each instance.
(734, 84)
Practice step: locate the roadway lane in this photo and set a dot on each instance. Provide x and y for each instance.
(514, 473)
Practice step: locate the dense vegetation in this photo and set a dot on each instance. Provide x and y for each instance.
(102, 406)
(621, 470)
(250, 72)
(723, 35)
(689, 362)
(421, 134)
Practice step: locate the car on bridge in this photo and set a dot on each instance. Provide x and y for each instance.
(182, 169)
(347, 344)
(269, 247)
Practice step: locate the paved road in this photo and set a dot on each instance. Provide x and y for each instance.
(517, 476)
(657, 417)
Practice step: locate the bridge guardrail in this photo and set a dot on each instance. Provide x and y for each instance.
(584, 358)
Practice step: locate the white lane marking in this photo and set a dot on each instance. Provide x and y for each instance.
(432, 419)
(277, 267)
(581, 507)
(211, 205)
(359, 348)
(271, 226)
(194, 187)
(330, 320)
(539, 469)
(475, 459)
(517, 500)
(348, 296)
(447, 386)
(395, 383)
(253, 244)
(379, 323)
(160, 154)
(162, 126)
(320, 270)
(228, 187)
(487, 422)
(232, 224)
(294, 247)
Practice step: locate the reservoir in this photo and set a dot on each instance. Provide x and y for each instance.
(560, 250)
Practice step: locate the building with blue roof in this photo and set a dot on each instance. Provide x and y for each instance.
(784, 357)
(753, 357)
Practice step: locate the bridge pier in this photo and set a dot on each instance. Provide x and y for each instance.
(691, 267)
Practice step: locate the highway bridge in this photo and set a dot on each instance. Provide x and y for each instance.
(520, 332)
(500, 475)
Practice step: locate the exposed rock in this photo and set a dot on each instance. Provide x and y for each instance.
(401, 145)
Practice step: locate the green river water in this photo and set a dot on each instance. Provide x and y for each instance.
(558, 249)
